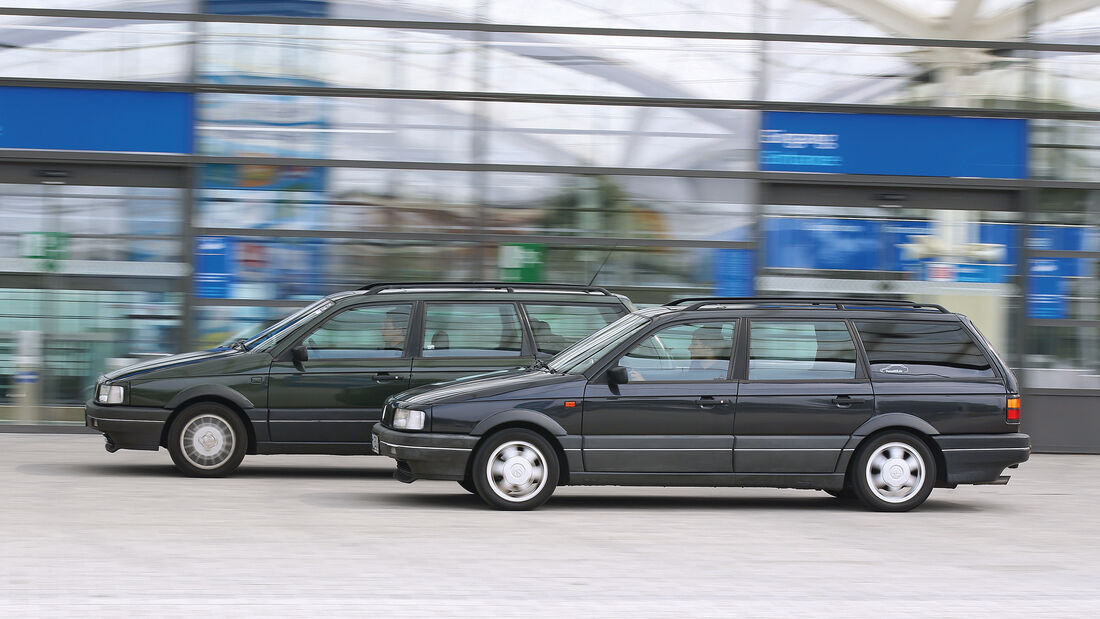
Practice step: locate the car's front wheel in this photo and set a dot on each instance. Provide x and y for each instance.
(207, 440)
(893, 472)
(515, 469)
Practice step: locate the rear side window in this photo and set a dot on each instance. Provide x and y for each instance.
(801, 350)
(557, 327)
(921, 350)
(471, 330)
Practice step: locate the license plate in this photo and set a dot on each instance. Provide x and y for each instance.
(374, 443)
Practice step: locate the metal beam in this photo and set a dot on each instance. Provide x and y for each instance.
(898, 41)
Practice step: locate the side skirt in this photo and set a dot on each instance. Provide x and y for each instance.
(822, 481)
(335, 449)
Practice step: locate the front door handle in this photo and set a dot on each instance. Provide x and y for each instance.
(709, 402)
(382, 377)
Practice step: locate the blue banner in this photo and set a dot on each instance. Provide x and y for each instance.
(99, 120)
(893, 144)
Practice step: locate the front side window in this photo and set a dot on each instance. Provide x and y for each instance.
(697, 351)
(921, 349)
(801, 350)
(471, 330)
(373, 332)
(557, 327)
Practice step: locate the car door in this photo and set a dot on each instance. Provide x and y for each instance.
(462, 338)
(357, 359)
(675, 413)
(804, 394)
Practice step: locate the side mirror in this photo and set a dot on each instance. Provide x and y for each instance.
(299, 354)
(618, 375)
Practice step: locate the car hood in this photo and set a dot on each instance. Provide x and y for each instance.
(520, 384)
(172, 361)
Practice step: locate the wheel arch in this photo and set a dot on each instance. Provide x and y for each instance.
(924, 437)
(215, 399)
(524, 424)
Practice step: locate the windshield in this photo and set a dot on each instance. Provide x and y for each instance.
(271, 335)
(580, 356)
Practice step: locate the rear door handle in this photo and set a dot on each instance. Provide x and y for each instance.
(382, 377)
(709, 402)
(846, 401)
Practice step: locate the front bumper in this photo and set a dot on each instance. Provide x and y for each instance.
(981, 458)
(127, 427)
(422, 455)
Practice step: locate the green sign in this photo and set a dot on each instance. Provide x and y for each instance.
(521, 262)
(49, 247)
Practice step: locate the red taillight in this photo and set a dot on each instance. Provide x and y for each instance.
(1013, 415)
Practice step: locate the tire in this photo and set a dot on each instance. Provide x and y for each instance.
(515, 469)
(893, 472)
(468, 486)
(207, 440)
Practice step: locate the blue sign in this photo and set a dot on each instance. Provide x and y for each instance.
(101, 120)
(1047, 290)
(734, 270)
(893, 144)
(213, 271)
(290, 8)
(821, 243)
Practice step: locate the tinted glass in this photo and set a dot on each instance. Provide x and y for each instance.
(801, 350)
(921, 349)
(687, 352)
(557, 327)
(371, 332)
(471, 330)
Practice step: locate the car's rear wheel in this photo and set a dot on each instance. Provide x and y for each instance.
(893, 472)
(207, 440)
(515, 469)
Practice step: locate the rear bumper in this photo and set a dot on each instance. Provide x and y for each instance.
(127, 427)
(981, 458)
(426, 456)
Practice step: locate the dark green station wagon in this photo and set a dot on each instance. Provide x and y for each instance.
(316, 381)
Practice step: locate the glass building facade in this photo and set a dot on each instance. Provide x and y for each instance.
(173, 172)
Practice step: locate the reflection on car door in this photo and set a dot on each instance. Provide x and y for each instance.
(805, 395)
(675, 415)
(356, 360)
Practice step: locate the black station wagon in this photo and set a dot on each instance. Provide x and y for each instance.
(316, 381)
(878, 399)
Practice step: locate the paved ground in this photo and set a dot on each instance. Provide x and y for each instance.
(87, 533)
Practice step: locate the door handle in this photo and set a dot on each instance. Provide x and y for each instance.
(709, 402)
(382, 377)
(846, 401)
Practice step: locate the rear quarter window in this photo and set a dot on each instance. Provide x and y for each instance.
(921, 350)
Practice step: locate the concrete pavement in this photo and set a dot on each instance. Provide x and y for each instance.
(87, 533)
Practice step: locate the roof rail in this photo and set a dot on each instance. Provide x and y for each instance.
(377, 287)
(839, 303)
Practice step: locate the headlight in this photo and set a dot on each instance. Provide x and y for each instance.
(109, 394)
(409, 419)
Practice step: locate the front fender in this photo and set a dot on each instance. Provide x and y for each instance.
(520, 415)
(220, 391)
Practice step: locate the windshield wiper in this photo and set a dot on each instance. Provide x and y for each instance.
(539, 364)
(238, 345)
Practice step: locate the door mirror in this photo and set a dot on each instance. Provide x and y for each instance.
(299, 354)
(618, 375)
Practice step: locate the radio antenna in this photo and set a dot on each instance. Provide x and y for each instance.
(600, 268)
